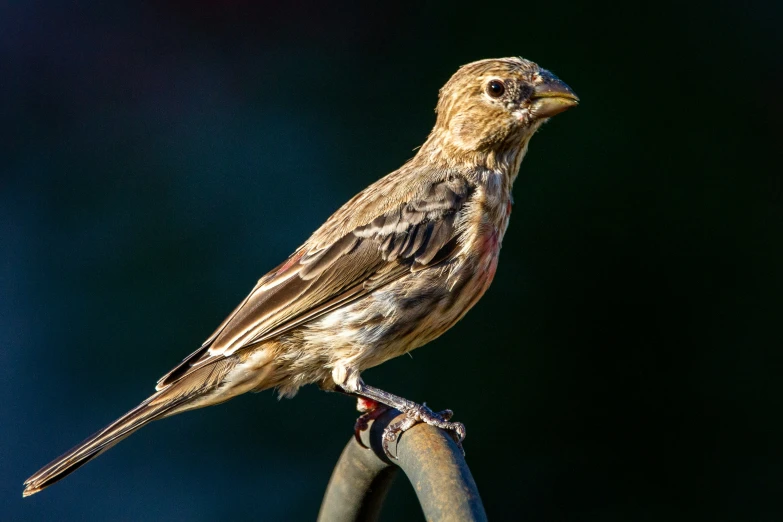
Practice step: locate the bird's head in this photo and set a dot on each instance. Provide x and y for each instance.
(496, 105)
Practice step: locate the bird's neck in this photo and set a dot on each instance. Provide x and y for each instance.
(501, 161)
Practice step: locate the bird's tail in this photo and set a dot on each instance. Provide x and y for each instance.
(138, 417)
(202, 387)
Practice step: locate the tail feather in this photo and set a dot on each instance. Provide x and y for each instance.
(66, 464)
(201, 388)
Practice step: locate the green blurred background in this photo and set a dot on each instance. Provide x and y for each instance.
(158, 157)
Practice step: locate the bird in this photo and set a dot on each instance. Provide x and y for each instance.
(392, 269)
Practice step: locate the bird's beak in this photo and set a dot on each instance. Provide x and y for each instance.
(551, 96)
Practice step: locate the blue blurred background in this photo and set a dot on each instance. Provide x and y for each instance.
(158, 157)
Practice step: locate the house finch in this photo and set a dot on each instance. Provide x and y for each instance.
(391, 270)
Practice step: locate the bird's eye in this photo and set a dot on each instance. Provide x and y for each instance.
(495, 88)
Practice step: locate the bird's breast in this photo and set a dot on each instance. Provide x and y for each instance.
(418, 307)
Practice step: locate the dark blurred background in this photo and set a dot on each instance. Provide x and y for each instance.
(157, 158)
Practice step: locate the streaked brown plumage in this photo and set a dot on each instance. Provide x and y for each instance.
(391, 270)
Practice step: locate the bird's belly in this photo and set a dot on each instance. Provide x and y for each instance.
(407, 313)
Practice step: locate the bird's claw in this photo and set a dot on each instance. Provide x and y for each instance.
(371, 410)
(421, 413)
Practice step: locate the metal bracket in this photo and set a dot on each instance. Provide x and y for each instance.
(429, 458)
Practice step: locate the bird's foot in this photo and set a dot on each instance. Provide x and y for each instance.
(416, 413)
(375, 402)
(371, 410)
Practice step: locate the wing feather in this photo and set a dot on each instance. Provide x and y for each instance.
(315, 281)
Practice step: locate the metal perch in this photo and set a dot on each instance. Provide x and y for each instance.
(429, 458)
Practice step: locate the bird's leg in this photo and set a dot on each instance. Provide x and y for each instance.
(369, 409)
(414, 414)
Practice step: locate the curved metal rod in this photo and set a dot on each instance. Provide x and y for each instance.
(430, 459)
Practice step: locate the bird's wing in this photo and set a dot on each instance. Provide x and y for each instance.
(318, 279)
